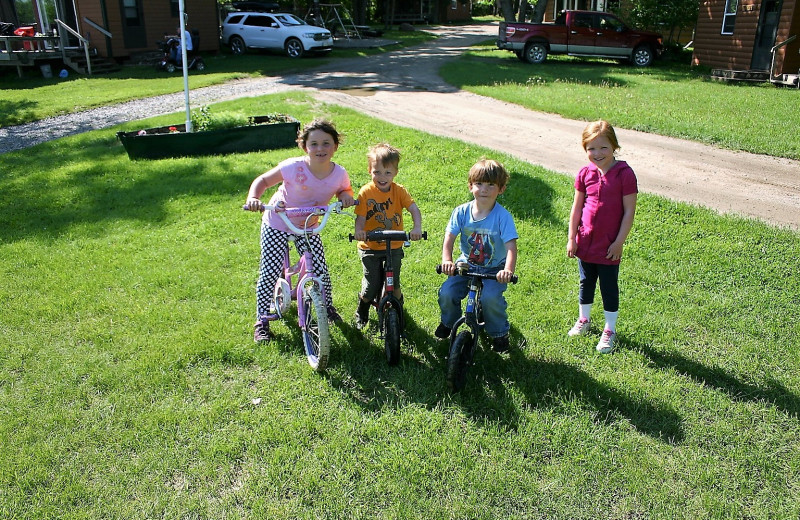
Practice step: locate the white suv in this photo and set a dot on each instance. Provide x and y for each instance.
(276, 31)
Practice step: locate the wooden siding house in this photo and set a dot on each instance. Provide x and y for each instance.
(738, 35)
(119, 29)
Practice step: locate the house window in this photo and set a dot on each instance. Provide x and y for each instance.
(131, 10)
(729, 16)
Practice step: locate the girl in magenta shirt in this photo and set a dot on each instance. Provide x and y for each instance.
(599, 222)
(311, 180)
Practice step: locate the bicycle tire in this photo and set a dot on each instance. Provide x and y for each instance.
(316, 336)
(391, 335)
(458, 361)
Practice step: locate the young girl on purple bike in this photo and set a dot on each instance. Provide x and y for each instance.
(310, 180)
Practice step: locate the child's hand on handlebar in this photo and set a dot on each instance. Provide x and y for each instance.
(346, 199)
(504, 276)
(361, 235)
(415, 233)
(253, 204)
(448, 267)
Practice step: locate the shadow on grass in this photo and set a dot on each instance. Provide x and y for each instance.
(91, 187)
(486, 397)
(14, 111)
(773, 392)
(530, 198)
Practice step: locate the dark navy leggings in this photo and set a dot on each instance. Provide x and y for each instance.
(609, 286)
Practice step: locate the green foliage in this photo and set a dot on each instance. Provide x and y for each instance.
(203, 119)
(130, 386)
(659, 15)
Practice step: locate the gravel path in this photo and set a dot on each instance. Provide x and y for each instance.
(404, 88)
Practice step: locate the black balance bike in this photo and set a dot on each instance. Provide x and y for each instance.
(389, 307)
(464, 343)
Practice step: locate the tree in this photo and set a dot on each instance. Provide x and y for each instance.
(664, 16)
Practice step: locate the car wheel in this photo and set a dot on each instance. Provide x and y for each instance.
(642, 56)
(294, 48)
(536, 53)
(237, 46)
(170, 67)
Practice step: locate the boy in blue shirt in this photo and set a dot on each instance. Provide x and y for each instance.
(488, 241)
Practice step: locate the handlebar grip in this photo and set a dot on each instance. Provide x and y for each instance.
(514, 278)
(439, 269)
(263, 207)
(424, 235)
(351, 237)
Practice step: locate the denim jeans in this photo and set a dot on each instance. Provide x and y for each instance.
(494, 305)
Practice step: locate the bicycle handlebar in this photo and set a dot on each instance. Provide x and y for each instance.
(286, 213)
(389, 235)
(465, 271)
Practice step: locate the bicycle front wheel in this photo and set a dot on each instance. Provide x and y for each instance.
(391, 339)
(316, 336)
(461, 352)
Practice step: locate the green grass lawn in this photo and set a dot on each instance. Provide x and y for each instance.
(130, 386)
(32, 97)
(669, 98)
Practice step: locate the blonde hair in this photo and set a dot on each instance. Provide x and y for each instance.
(489, 171)
(597, 129)
(383, 153)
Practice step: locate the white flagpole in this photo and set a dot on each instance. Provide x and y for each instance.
(181, 8)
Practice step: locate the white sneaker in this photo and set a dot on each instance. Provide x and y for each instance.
(581, 328)
(607, 341)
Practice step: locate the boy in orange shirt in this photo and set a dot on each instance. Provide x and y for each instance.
(380, 207)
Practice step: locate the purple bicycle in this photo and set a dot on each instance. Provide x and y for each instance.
(308, 289)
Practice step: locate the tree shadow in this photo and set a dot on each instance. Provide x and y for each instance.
(531, 199)
(773, 392)
(93, 194)
(12, 112)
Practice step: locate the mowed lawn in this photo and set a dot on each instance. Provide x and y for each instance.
(130, 386)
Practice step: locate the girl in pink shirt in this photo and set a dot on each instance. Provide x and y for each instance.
(600, 220)
(311, 180)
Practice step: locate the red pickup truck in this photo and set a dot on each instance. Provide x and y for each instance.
(580, 33)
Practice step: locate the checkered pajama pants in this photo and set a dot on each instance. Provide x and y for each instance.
(274, 246)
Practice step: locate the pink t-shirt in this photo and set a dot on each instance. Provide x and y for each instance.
(300, 188)
(602, 212)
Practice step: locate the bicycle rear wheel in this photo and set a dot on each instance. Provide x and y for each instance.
(391, 335)
(316, 336)
(461, 352)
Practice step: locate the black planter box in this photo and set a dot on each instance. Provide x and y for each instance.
(160, 142)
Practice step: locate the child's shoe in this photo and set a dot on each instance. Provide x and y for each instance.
(607, 341)
(442, 331)
(500, 344)
(333, 316)
(581, 328)
(261, 331)
(362, 314)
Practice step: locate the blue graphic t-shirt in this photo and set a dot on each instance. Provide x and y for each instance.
(483, 242)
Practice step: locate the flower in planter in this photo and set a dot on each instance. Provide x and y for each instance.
(173, 130)
(142, 132)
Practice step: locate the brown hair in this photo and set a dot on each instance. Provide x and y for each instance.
(317, 124)
(489, 171)
(383, 153)
(596, 129)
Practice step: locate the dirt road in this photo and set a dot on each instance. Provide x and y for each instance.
(404, 88)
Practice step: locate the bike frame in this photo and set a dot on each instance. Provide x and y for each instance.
(309, 293)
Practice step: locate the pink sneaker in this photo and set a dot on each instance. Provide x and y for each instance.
(607, 340)
(581, 328)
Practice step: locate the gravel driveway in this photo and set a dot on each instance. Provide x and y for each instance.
(404, 88)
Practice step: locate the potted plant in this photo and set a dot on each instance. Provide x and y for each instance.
(214, 134)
